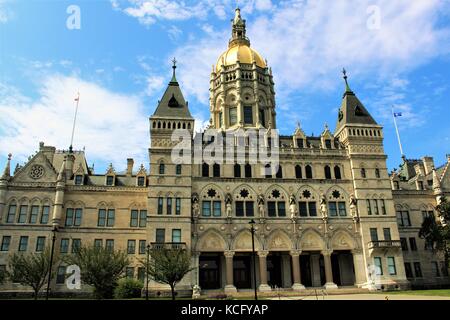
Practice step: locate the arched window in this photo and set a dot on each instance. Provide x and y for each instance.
(327, 172)
(377, 173)
(205, 170)
(216, 170)
(162, 168)
(279, 172)
(363, 173)
(308, 172)
(237, 170)
(178, 169)
(248, 170)
(268, 171)
(337, 173)
(298, 172)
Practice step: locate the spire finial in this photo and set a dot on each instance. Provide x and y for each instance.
(347, 87)
(174, 67)
(7, 171)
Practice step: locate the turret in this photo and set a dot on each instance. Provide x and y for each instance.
(59, 194)
(4, 184)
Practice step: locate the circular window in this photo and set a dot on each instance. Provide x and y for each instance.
(244, 193)
(336, 194)
(306, 194)
(276, 194)
(37, 171)
(212, 193)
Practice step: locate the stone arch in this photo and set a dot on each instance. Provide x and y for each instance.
(284, 194)
(314, 194)
(343, 194)
(35, 201)
(236, 192)
(311, 240)
(278, 240)
(211, 241)
(342, 240)
(243, 241)
(204, 192)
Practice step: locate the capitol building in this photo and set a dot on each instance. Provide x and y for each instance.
(327, 217)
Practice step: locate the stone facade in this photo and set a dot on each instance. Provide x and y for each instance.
(324, 219)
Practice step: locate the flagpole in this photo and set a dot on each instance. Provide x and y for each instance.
(77, 99)
(398, 133)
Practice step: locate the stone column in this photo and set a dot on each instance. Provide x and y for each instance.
(229, 287)
(263, 286)
(328, 270)
(295, 255)
(359, 265)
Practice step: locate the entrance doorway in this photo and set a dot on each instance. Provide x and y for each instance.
(274, 268)
(242, 272)
(343, 268)
(209, 271)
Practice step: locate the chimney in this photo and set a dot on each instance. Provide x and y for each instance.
(419, 169)
(428, 164)
(48, 151)
(130, 163)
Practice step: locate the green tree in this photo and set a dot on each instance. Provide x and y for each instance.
(30, 269)
(128, 289)
(438, 234)
(2, 276)
(100, 268)
(168, 266)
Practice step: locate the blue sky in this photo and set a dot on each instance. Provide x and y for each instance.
(395, 53)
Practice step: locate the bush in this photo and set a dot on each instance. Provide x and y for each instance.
(128, 289)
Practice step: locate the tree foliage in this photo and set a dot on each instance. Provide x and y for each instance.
(30, 269)
(128, 289)
(438, 233)
(169, 266)
(100, 268)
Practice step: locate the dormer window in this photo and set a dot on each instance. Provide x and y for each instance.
(79, 180)
(300, 143)
(141, 181)
(328, 144)
(420, 185)
(109, 180)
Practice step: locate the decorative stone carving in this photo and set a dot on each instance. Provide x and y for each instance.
(353, 207)
(37, 171)
(196, 292)
(323, 207)
(261, 206)
(293, 207)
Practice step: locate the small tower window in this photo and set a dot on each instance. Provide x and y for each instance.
(298, 171)
(377, 173)
(248, 170)
(363, 173)
(337, 173)
(78, 179)
(233, 116)
(308, 172)
(216, 170)
(279, 174)
(162, 168)
(237, 170)
(205, 170)
(110, 180)
(178, 169)
(327, 172)
(248, 115)
(141, 181)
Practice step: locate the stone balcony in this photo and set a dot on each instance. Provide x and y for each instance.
(168, 245)
(385, 244)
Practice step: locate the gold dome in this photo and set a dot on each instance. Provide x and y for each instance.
(242, 53)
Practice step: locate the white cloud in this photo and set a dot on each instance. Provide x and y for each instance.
(308, 42)
(5, 13)
(154, 84)
(107, 121)
(174, 33)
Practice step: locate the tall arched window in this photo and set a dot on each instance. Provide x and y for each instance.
(377, 173)
(327, 172)
(279, 172)
(248, 170)
(205, 170)
(337, 173)
(162, 168)
(237, 170)
(298, 172)
(268, 171)
(178, 169)
(308, 172)
(363, 173)
(216, 170)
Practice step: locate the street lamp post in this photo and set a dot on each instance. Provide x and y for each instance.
(252, 223)
(54, 230)
(146, 269)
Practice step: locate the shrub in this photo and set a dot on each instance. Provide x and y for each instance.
(128, 289)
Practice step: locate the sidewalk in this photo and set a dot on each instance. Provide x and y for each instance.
(366, 297)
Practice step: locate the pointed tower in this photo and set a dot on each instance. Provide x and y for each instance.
(362, 137)
(241, 85)
(4, 185)
(169, 182)
(59, 194)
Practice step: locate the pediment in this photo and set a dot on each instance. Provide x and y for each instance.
(37, 169)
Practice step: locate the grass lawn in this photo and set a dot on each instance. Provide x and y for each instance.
(442, 293)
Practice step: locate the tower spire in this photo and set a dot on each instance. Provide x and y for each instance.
(174, 67)
(7, 171)
(238, 35)
(347, 87)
